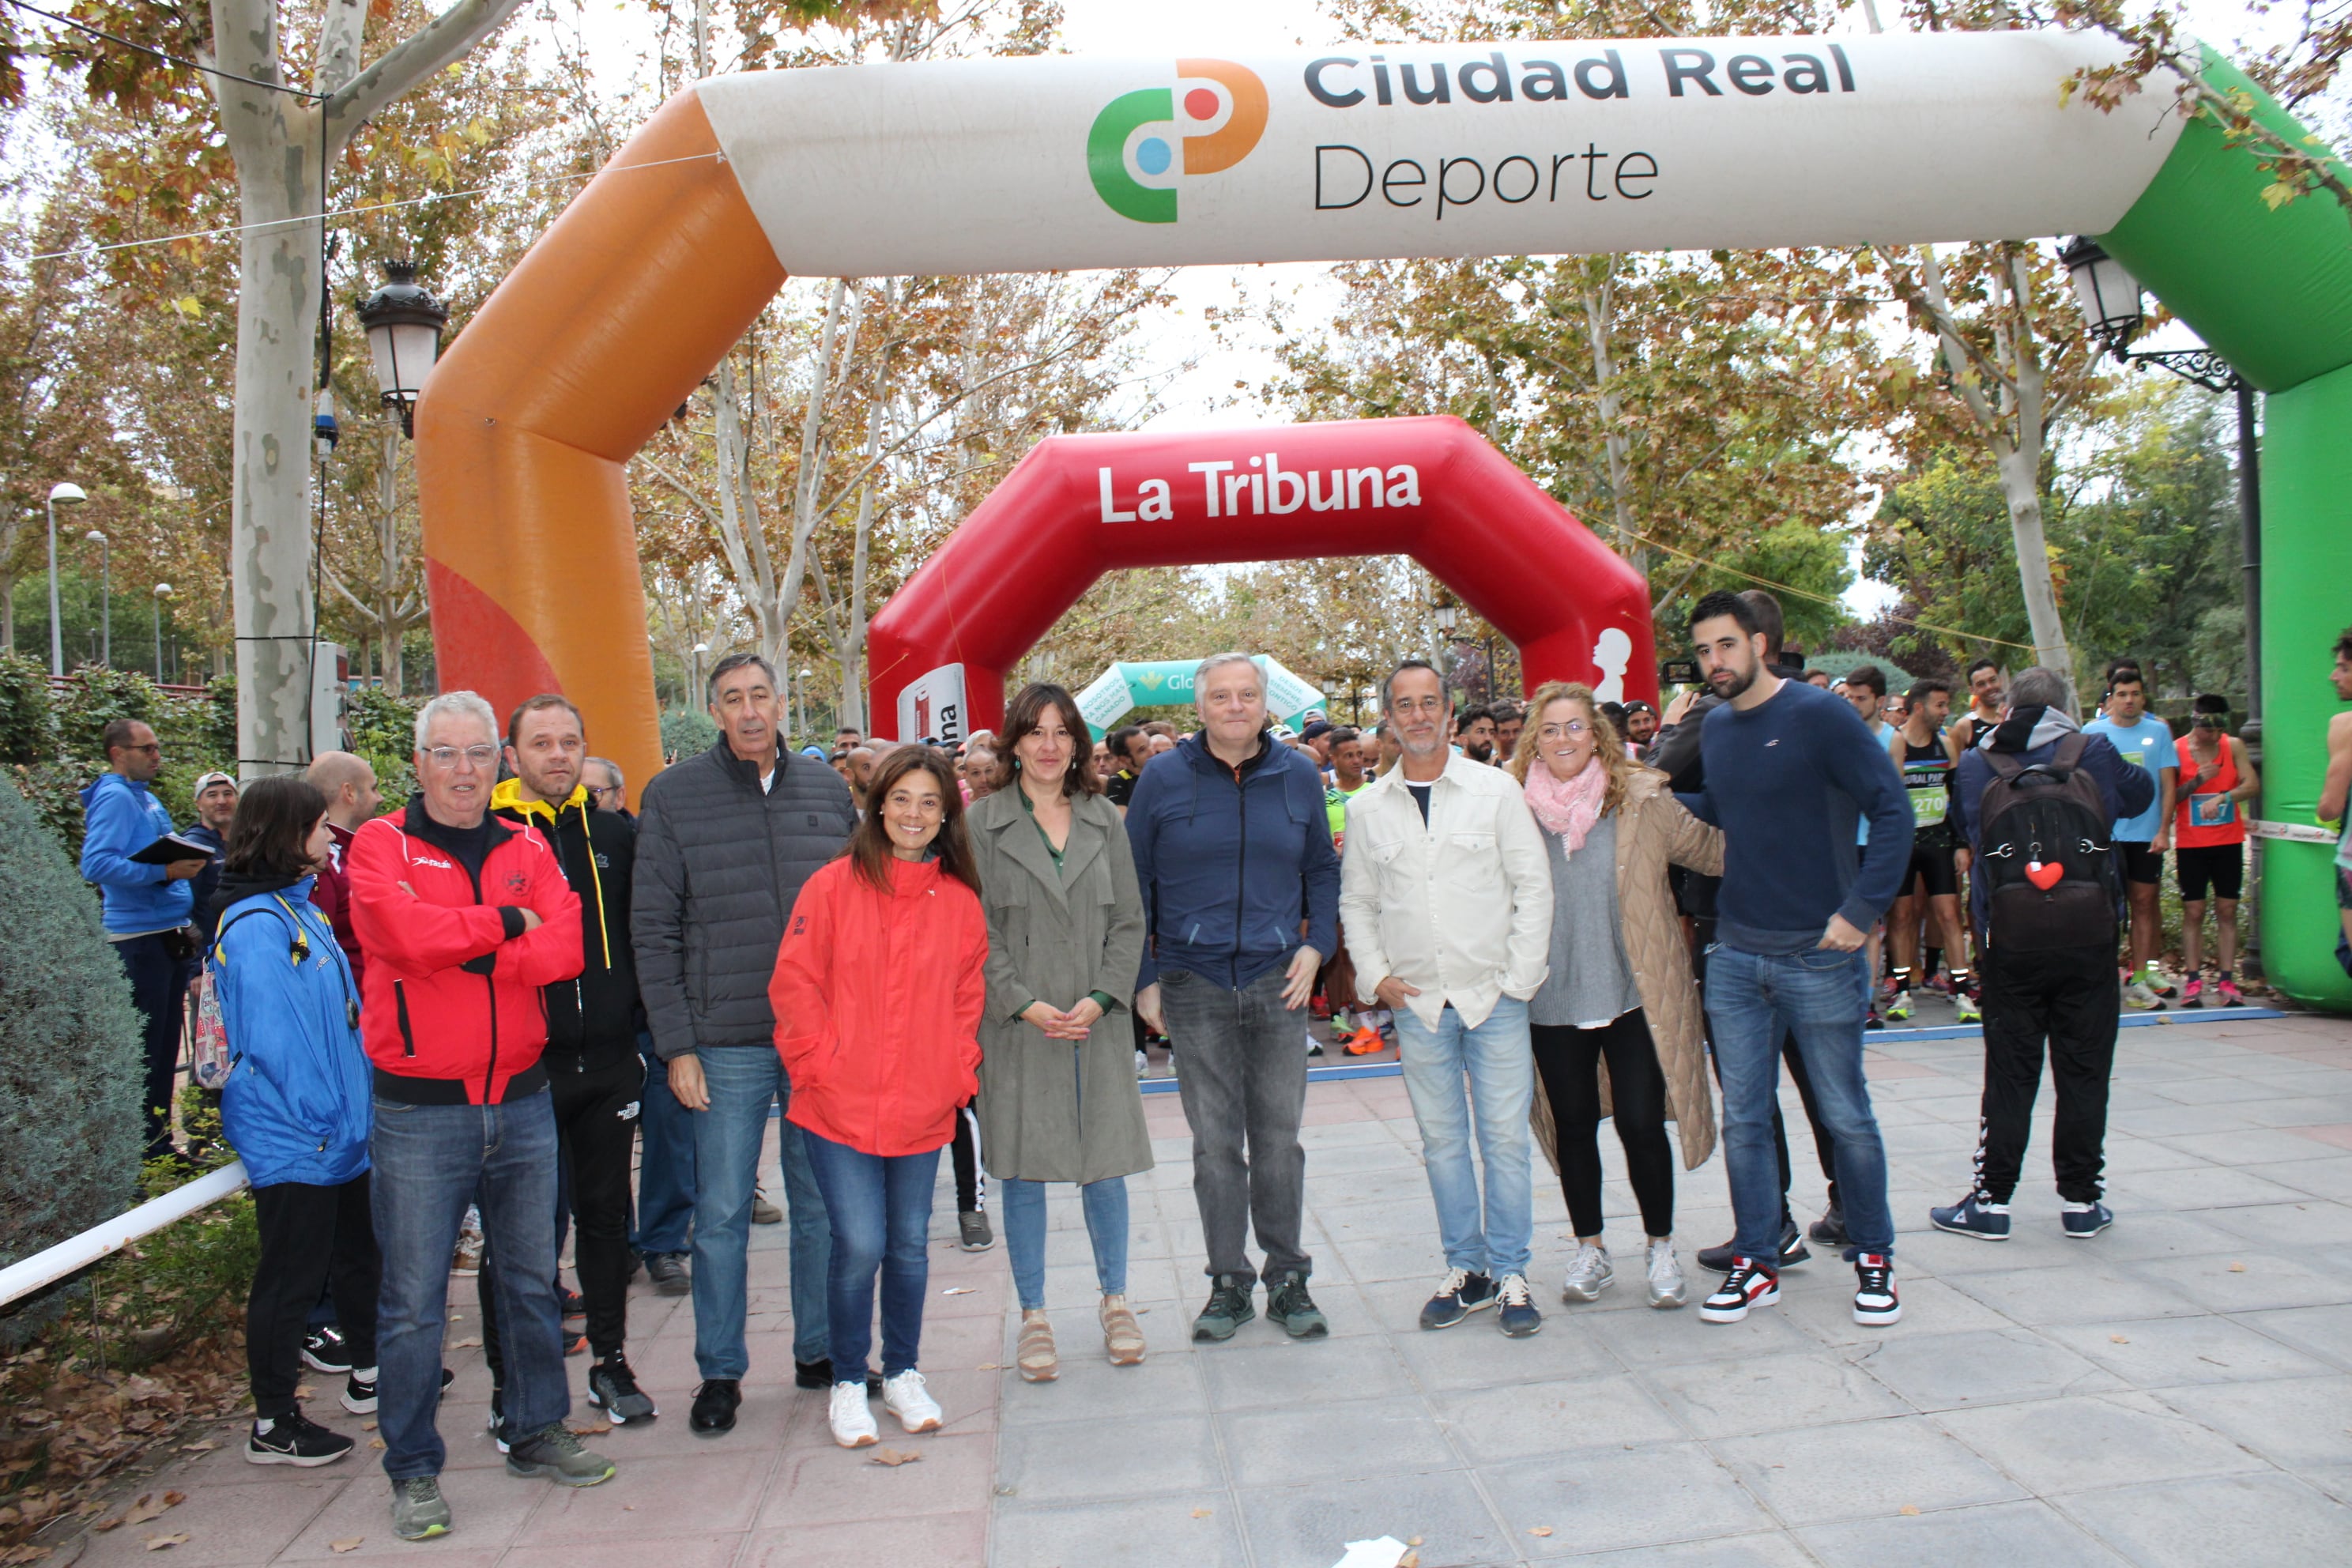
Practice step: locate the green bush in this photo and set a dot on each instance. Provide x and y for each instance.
(384, 729)
(684, 732)
(26, 735)
(73, 1066)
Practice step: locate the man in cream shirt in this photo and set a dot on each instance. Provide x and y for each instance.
(1446, 900)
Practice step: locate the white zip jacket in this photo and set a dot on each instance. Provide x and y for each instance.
(1460, 908)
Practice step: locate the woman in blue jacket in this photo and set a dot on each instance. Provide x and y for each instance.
(296, 1108)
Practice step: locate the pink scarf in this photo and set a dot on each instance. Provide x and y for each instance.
(1568, 806)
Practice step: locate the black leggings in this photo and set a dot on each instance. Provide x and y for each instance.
(1570, 1060)
(311, 1235)
(596, 1131)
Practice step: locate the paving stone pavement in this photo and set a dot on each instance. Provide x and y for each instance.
(2175, 1392)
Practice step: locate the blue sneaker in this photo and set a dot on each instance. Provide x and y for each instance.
(2083, 1221)
(1458, 1295)
(1518, 1317)
(1973, 1216)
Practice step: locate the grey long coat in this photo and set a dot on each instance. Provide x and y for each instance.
(1050, 1110)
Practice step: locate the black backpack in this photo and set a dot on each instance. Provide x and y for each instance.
(2050, 870)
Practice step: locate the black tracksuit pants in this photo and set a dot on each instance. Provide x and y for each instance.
(596, 1129)
(311, 1235)
(2064, 1001)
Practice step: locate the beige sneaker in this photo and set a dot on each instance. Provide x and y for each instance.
(1122, 1335)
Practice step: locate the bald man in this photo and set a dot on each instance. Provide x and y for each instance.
(349, 784)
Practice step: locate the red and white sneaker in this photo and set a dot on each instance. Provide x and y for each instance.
(1875, 1305)
(1749, 1284)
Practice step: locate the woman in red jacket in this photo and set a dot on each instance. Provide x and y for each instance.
(877, 991)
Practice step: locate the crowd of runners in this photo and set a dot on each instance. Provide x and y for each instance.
(514, 998)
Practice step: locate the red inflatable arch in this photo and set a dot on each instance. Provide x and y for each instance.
(1078, 506)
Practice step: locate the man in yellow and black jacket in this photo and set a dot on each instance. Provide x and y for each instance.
(593, 1067)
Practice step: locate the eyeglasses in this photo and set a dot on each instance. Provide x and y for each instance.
(445, 757)
(153, 748)
(601, 791)
(1560, 731)
(2211, 720)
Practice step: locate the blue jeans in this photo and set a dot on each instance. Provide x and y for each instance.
(430, 1161)
(1501, 1068)
(664, 1161)
(881, 1210)
(1023, 1205)
(744, 1081)
(1818, 997)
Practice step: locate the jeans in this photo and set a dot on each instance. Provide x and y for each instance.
(879, 1208)
(665, 1161)
(1241, 1075)
(1023, 1205)
(310, 1236)
(2066, 997)
(430, 1161)
(1818, 997)
(157, 981)
(596, 1129)
(744, 1081)
(1500, 1088)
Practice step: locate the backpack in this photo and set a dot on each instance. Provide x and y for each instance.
(2050, 871)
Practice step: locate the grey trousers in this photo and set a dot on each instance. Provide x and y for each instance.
(1241, 1066)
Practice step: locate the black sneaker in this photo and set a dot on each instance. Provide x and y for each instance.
(575, 1305)
(1793, 1250)
(1748, 1284)
(668, 1271)
(323, 1349)
(294, 1440)
(1875, 1305)
(818, 1374)
(1830, 1229)
(714, 1406)
(613, 1388)
(1288, 1305)
(1229, 1308)
(1458, 1295)
(497, 1420)
(359, 1394)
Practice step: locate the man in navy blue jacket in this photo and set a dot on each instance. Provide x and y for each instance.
(2064, 996)
(1233, 848)
(1790, 771)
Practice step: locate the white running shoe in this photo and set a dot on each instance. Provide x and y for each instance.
(1588, 1274)
(1666, 1287)
(909, 1399)
(2138, 995)
(853, 1418)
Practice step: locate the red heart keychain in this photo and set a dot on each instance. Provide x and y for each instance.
(2044, 874)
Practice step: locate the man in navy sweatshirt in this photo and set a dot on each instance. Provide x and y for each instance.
(1790, 769)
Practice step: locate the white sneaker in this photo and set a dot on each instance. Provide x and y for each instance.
(2138, 995)
(1666, 1288)
(1588, 1274)
(853, 1419)
(907, 1397)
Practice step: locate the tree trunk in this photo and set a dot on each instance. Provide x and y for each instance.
(1599, 325)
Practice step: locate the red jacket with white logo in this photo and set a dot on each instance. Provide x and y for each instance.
(452, 1009)
(877, 999)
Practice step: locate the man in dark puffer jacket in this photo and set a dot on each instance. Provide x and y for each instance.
(724, 842)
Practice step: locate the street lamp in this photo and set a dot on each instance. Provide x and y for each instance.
(162, 592)
(2110, 301)
(1447, 615)
(799, 723)
(65, 493)
(699, 649)
(403, 326)
(105, 597)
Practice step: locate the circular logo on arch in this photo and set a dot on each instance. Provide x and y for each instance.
(1146, 144)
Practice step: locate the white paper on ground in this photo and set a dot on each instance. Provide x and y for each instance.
(1385, 1553)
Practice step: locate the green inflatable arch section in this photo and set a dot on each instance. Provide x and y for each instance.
(2271, 292)
(1168, 682)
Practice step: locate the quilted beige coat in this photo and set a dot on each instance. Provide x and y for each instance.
(1653, 830)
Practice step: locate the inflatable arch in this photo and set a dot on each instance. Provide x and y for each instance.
(1078, 506)
(1355, 151)
(1131, 684)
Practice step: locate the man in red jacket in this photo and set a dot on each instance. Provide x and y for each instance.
(464, 918)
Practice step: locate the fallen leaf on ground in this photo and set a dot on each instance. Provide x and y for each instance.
(2237, 1268)
(375, 1442)
(895, 1458)
(149, 1506)
(956, 1291)
(158, 1542)
(1412, 1541)
(597, 1430)
(304, 1391)
(347, 1543)
(1203, 1512)
(2117, 1339)
(367, 1425)
(204, 1448)
(990, 1366)
(1143, 1311)
(106, 1524)
(1540, 1530)
(464, 1344)
(174, 1500)
(1409, 1559)
(1909, 1510)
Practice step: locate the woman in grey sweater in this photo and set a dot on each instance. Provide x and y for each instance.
(1058, 1100)
(1616, 1027)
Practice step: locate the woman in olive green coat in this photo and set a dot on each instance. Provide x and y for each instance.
(1058, 1100)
